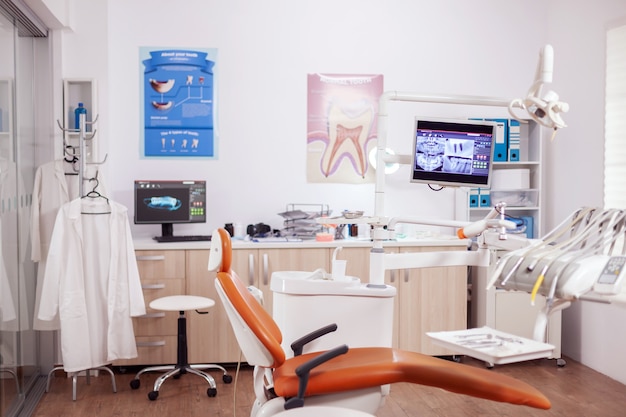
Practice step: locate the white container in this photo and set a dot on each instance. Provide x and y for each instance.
(305, 301)
(338, 271)
(510, 179)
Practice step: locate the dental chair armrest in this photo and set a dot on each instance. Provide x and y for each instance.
(298, 345)
(304, 370)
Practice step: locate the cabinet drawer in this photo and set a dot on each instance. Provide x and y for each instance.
(162, 264)
(153, 350)
(157, 322)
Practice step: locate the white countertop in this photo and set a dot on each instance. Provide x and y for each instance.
(145, 243)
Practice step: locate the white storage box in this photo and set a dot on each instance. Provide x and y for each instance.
(510, 179)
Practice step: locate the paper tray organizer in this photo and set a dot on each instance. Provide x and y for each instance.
(492, 346)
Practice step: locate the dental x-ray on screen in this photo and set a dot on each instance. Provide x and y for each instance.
(453, 152)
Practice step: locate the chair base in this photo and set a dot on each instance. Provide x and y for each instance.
(182, 366)
(176, 371)
(75, 378)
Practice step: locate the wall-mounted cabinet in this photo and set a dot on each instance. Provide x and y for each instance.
(6, 118)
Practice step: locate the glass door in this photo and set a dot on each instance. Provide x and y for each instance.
(19, 343)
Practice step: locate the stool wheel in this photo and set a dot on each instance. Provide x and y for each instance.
(211, 392)
(227, 379)
(153, 395)
(134, 384)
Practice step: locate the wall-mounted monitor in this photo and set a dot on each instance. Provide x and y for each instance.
(456, 153)
(169, 202)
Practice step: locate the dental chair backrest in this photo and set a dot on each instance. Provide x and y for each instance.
(256, 331)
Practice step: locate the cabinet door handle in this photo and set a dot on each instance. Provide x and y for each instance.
(392, 275)
(152, 315)
(406, 275)
(150, 257)
(151, 344)
(152, 286)
(251, 269)
(265, 269)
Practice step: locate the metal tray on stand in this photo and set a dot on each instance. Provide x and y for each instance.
(492, 346)
(300, 220)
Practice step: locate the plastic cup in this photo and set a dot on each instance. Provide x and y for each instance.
(338, 271)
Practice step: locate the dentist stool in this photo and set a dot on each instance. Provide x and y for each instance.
(182, 303)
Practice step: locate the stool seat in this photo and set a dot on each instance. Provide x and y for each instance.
(181, 303)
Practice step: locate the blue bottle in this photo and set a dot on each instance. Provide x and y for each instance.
(77, 112)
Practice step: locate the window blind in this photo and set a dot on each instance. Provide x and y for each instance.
(615, 120)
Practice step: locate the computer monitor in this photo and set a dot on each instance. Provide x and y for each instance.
(456, 153)
(170, 202)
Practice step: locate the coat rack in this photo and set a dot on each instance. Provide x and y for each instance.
(83, 136)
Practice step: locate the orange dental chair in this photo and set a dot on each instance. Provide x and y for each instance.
(354, 378)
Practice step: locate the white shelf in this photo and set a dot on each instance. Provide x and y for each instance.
(530, 155)
(79, 90)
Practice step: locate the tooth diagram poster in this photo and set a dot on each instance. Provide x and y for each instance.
(342, 113)
(178, 102)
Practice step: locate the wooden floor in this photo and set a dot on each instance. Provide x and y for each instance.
(574, 390)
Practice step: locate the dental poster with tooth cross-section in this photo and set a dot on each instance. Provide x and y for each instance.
(179, 103)
(342, 113)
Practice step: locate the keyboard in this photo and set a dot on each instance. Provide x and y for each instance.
(182, 238)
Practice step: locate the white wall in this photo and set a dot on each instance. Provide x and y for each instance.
(484, 47)
(266, 50)
(576, 160)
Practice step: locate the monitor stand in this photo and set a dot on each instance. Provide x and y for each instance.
(167, 229)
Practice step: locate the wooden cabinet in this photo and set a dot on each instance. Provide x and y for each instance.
(429, 299)
(162, 273)
(255, 266)
(211, 338)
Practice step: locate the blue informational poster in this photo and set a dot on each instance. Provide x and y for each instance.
(179, 105)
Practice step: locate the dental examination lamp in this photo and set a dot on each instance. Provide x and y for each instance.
(492, 229)
(544, 110)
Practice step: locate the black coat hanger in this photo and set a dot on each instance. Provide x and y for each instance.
(96, 194)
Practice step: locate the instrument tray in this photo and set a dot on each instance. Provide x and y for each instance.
(492, 346)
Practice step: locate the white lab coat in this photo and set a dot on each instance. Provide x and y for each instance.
(52, 189)
(91, 280)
